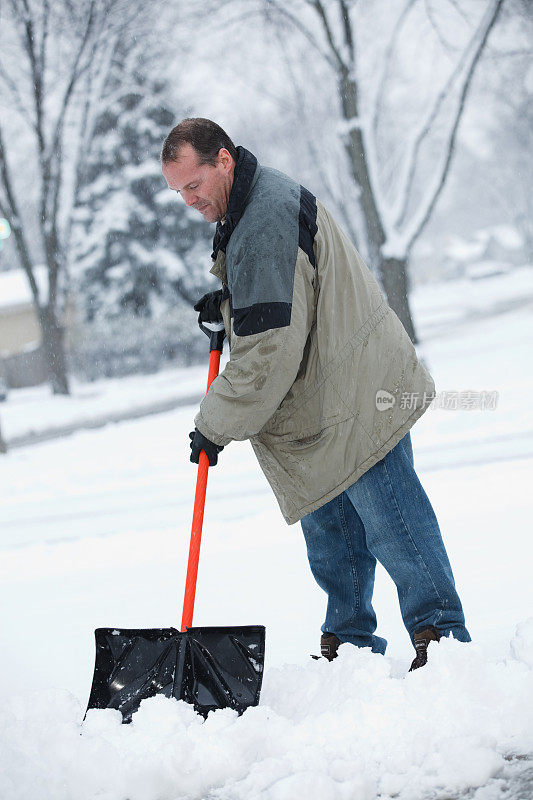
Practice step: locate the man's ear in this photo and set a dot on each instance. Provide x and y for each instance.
(224, 157)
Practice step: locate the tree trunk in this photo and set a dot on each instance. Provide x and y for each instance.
(392, 272)
(54, 351)
(3, 445)
(395, 282)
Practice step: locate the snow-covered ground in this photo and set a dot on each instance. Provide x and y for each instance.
(94, 532)
(33, 412)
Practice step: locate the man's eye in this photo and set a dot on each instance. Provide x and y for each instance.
(188, 189)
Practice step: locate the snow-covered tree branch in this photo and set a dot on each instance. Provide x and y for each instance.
(395, 210)
(49, 70)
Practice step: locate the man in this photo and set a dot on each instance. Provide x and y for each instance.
(318, 374)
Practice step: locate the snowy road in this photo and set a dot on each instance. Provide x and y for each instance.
(89, 508)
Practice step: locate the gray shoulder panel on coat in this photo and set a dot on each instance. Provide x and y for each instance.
(261, 254)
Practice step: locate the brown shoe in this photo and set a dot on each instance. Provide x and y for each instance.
(329, 644)
(422, 639)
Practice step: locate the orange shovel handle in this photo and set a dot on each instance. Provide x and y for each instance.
(198, 515)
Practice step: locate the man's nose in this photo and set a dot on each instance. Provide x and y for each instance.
(189, 197)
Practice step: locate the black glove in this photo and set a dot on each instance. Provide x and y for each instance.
(199, 443)
(209, 307)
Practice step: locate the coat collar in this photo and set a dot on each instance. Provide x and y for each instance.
(243, 180)
(219, 267)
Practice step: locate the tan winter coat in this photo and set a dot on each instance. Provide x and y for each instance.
(313, 343)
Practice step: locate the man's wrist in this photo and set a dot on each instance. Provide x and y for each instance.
(209, 433)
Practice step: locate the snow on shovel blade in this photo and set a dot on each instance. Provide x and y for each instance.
(208, 667)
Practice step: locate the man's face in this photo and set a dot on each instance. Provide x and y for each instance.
(202, 186)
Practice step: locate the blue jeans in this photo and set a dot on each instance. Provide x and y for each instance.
(385, 515)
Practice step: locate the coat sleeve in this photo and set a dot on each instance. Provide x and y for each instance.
(272, 309)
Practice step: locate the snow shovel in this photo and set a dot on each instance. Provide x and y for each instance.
(211, 668)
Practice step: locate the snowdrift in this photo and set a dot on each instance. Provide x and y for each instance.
(354, 729)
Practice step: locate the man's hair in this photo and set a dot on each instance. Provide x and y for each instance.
(204, 135)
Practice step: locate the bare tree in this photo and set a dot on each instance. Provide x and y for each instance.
(391, 225)
(52, 67)
(508, 191)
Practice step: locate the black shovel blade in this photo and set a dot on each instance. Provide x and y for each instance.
(208, 667)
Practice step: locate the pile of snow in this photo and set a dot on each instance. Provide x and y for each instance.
(522, 643)
(355, 729)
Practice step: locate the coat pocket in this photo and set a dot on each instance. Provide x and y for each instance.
(304, 417)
